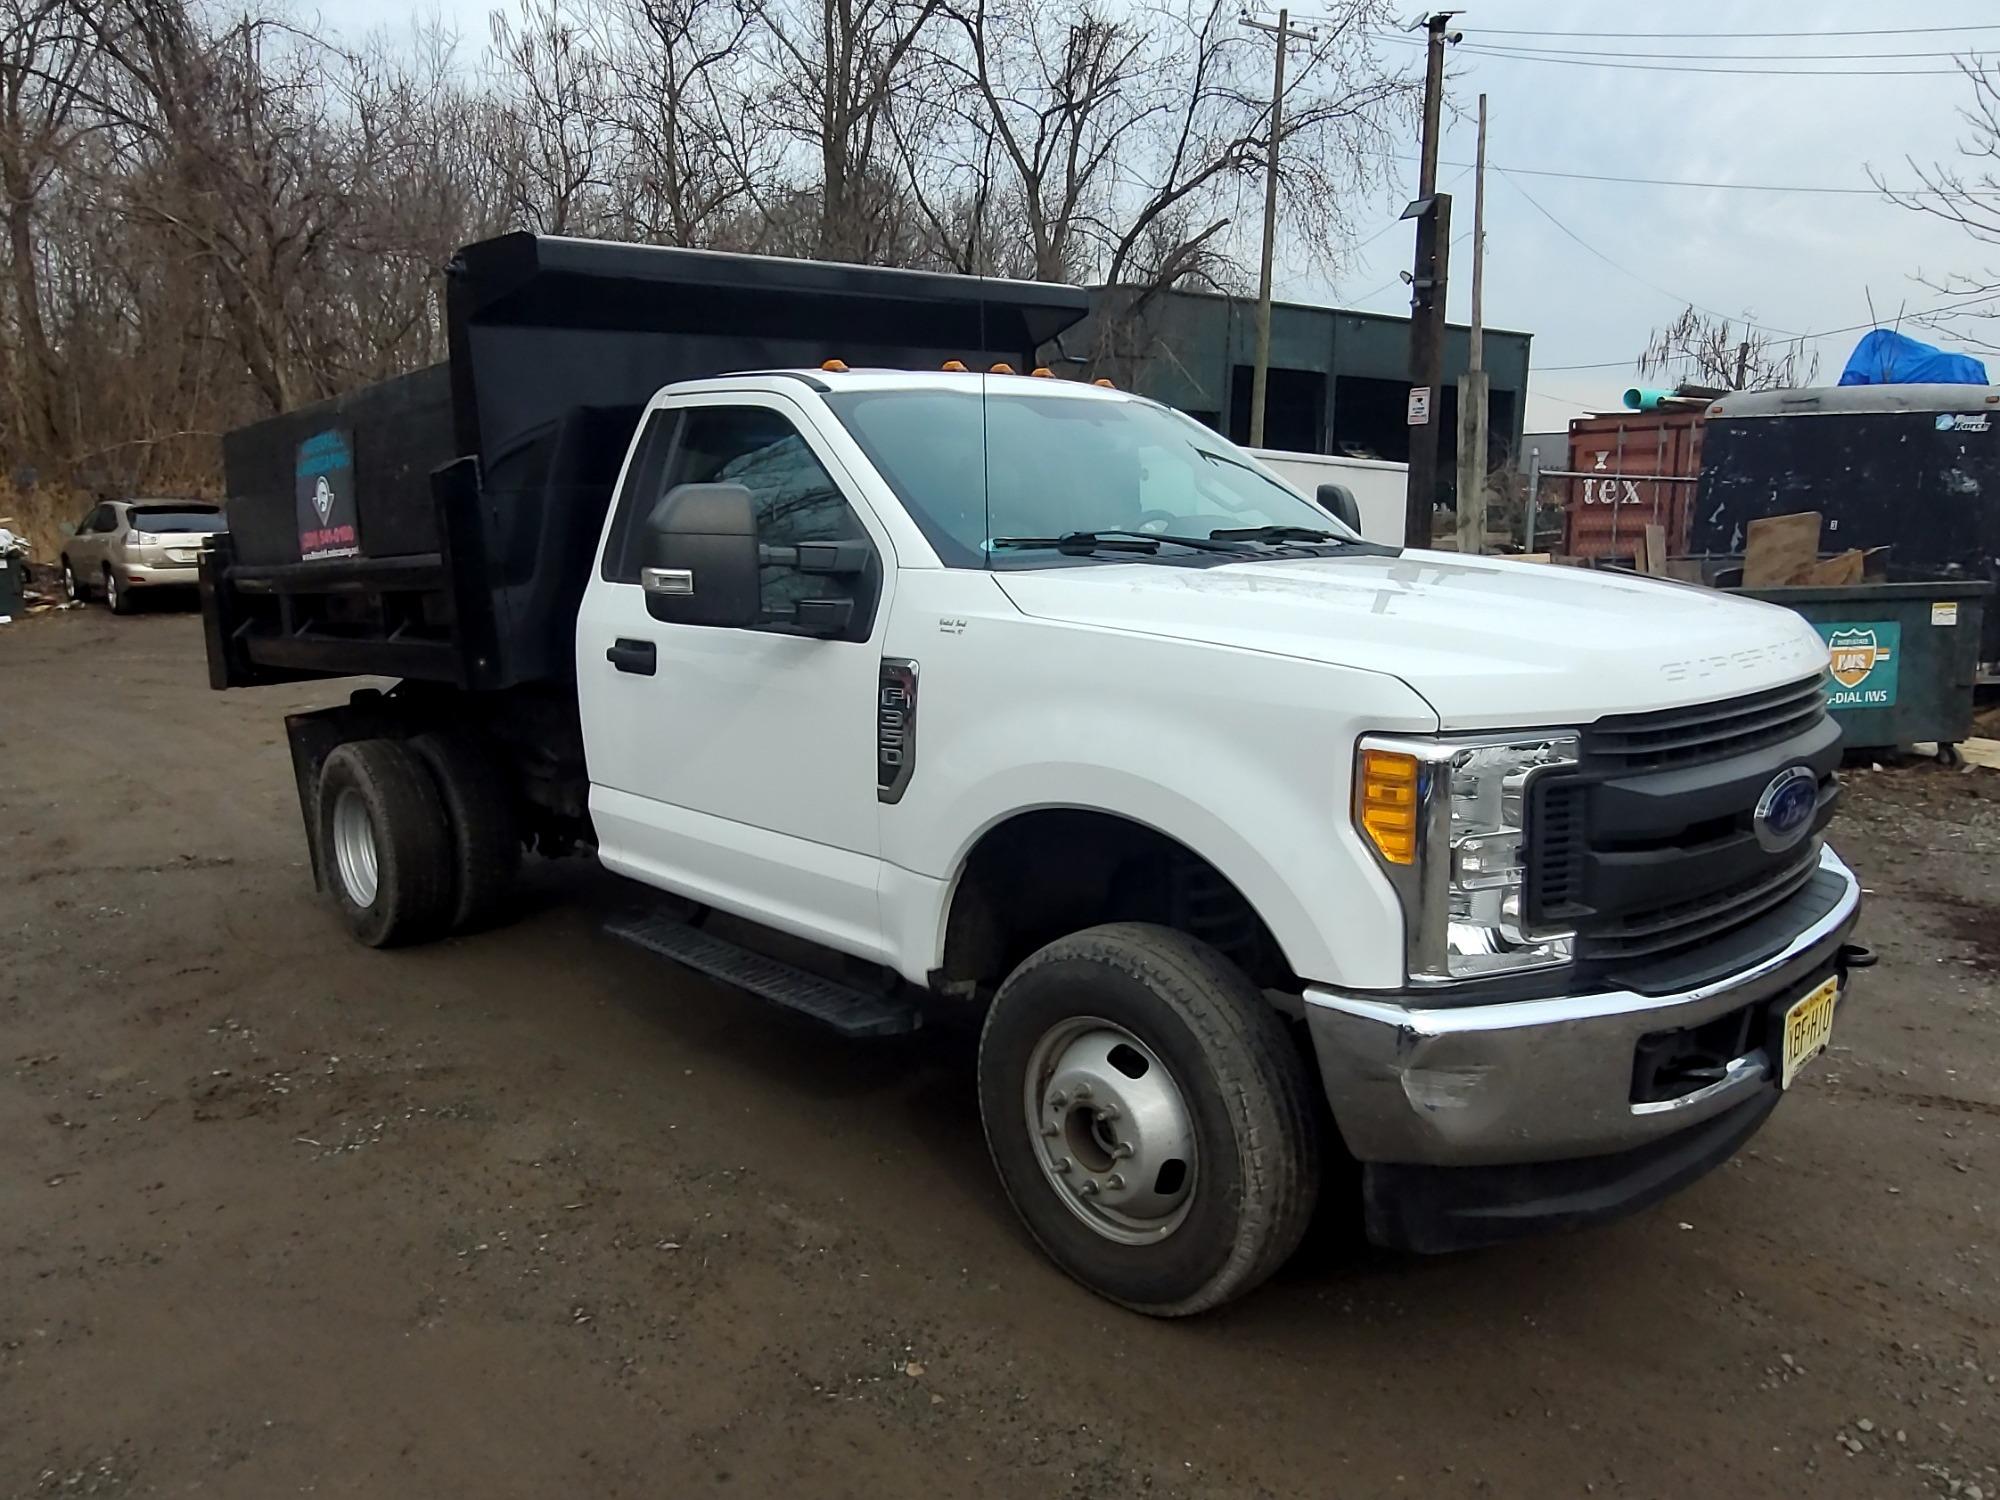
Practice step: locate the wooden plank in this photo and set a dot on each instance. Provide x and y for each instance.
(1837, 571)
(1656, 551)
(1780, 549)
(1685, 570)
(1533, 557)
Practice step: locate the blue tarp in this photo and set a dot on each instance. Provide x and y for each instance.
(1884, 357)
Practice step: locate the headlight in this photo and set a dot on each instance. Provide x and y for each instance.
(1447, 820)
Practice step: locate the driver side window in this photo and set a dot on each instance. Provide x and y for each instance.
(796, 500)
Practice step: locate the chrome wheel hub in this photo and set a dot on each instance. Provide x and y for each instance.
(354, 846)
(1111, 1130)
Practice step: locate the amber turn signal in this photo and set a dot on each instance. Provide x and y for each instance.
(1387, 804)
(837, 366)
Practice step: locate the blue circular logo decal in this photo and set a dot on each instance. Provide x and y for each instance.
(1785, 809)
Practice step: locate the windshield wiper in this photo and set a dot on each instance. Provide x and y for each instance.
(1082, 543)
(1278, 534)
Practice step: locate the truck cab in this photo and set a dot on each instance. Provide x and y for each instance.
(1250, 845)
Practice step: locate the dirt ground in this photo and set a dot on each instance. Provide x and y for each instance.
(533, 1214)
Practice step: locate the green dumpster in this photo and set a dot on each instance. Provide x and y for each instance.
(1903, 656)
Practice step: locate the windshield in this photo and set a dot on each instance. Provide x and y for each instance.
(1059, 464)
(177, 520)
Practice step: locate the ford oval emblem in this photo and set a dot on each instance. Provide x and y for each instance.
(1785, 809)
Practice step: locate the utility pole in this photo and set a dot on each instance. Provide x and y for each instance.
(1472, 385)
(1260, 373)
(1432, 211)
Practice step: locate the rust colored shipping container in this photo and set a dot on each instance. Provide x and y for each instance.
(1629, 470)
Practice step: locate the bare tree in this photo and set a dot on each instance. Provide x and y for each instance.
(834, 65)
(554, 147)
(1705, 350)
(1965, 194)
(692, 145)
(44, 57)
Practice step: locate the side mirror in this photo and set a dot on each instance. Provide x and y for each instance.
(1338, 501)
(701, 557)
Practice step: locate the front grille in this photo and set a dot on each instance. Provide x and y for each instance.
(1646, 849)
(1682, 924)
(1675, 737)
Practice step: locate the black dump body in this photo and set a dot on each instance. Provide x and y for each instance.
(439, 526)
(1915, 468)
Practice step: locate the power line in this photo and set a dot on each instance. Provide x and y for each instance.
(1643, 67)
(1627, 270)
(1691, 36)
(1740, 187)
(1823, 333)
(1468, 48)
(1723, 57)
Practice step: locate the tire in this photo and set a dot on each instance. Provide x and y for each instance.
(485, 833)
(72, 590)
(404, 894)
(1245, 1095)
(117, 596)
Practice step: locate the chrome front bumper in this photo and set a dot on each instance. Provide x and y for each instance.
(1541, 1080)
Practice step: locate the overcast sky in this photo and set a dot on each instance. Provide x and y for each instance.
(1633, 254)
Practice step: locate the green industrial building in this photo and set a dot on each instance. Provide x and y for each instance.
(1339, 381)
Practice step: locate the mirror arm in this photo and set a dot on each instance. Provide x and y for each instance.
(841, 558)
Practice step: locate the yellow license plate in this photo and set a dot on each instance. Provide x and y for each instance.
(1808, 1026)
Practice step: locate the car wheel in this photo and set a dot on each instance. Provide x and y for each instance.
(485, 833)
(1150, 1117)
(70, 590)
(384, 846)
(116, 595)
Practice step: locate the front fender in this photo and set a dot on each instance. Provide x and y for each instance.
(1243, 758)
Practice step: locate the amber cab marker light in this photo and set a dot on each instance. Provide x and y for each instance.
(1389, 804)
(1003, 368)
(957, 366)
(1043, 372)
(837, 366)
(1105, 383)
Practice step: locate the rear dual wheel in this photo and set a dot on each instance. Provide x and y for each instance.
(416, 837)
(1150, 1117)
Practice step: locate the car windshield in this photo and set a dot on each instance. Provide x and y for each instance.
(177, 520)
(1057, 465)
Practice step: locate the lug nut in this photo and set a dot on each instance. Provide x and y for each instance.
(1061, 1163)
(1122, 1150)
(1051, 1128)
(1083, 1091)
(1108, 1112)
(1087, 1187)
(1058, 1099)
(1115, 1181)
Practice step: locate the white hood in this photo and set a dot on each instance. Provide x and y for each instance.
(1488, 643)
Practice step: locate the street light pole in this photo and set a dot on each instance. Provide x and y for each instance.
(1432, 211)
(1260, 373)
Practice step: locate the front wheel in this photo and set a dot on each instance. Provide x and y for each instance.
(1150, 1118)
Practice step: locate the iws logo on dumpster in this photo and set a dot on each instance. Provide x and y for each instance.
(327, 520)
(1862, 661)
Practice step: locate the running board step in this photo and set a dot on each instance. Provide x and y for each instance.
(847, 1010)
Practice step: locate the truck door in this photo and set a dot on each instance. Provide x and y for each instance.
(737, 765)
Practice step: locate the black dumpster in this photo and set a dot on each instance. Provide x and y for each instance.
(1903, 656)
(13, 583)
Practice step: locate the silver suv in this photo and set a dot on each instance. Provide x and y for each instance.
(125, 547)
